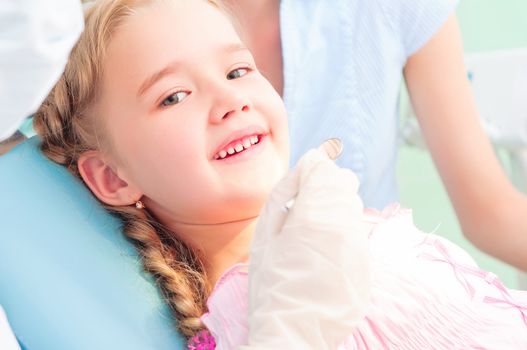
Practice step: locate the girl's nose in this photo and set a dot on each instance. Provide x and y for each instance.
(227, 102)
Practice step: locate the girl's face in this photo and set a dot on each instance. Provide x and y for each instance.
(180, 93)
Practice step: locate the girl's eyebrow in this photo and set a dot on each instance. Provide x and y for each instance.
(233, 48)
(173, 67)
(167, 70)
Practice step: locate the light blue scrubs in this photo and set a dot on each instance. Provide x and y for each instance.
(343, 62)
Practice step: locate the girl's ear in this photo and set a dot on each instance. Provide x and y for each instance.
(104, 182)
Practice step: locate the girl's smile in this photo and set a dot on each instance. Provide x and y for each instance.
(241, 144)
(247, 154)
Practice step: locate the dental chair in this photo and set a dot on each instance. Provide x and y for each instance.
(499, 83)
(69, 280)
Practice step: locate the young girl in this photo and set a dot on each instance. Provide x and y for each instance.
(163, 114)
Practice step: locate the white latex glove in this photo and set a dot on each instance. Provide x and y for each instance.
(309, 277)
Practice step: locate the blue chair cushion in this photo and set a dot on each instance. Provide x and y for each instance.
(68, 277)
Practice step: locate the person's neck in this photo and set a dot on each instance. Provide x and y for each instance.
(255, 10)
(254, 18)
(220, 245)
(258, 22)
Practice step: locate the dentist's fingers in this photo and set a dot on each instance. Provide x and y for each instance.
(282, 197)
(333, 148)
(274, 212)
(328, 199)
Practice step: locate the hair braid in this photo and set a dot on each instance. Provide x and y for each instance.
(178, 272)
(53, 123)
(176, 268)
(67, 128)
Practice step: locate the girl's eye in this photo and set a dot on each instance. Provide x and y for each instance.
(237, 73)
(175, 98)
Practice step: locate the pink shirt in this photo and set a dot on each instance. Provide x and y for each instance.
(427, 293)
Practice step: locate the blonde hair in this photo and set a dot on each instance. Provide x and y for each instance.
(67, 129)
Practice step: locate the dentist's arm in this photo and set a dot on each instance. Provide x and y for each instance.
(492, 213)
(35, 40)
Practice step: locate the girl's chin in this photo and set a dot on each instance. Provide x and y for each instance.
(246, 207)
(246, 219)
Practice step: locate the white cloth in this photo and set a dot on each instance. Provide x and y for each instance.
(343, 62)
(36, 38)
(7, 339)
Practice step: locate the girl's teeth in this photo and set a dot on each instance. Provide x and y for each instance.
(246, 143)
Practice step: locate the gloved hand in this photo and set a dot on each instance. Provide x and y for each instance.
(309, 277)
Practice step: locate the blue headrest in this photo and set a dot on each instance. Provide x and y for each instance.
(68, 277)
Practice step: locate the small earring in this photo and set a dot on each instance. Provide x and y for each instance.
(139, 205)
